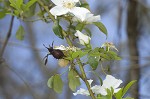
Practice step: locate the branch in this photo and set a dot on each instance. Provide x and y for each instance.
(7, 37)
(84, 78)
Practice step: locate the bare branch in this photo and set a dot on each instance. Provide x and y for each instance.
(7, 37)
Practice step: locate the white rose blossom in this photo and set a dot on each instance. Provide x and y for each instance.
(108, 83)
(83, 39)
(66, 6)
(61, 47)
(83, 91)
(86, 17)
(68, 48)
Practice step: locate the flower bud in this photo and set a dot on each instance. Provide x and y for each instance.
(63, 62)
(83, 39)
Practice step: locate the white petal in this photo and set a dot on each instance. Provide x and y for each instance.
(82, 92)
(79, 12)
(75, 19)
(111, 81)
(90, 81)
(59, 10)
(58, 2)
(97, 89)
(84, 15)
(84, 39)
(61, 47)
(103, 91)
(75, 0)
(93, 19)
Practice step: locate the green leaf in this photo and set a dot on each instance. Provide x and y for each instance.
(19, 3)
(57, 83)
(50, 82)
(74, 81)
(94, 52)
(16, 12)
(100, 79)
(57, 29)
(113, 55)
(108, 55)
(20, 33)
(30, 12)
(2, 14)
(118, 95)
(88, 31)
(29, 4)
(79, 53)
(128, 98)
(16, 4)
(101, 27)
(109, 93)
(127, 87)
(80, 26)
(93, 62)
(102, 97)
(85, 5)
(75, 54)
(68, 58)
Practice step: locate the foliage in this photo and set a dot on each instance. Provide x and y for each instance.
(78, 18)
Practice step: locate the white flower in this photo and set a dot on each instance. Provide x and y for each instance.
(83, 39)
(86, 17)
(82, 92)
(108, 83)
(111, 81)
(68, 48)
(73, 48)
(65, 6)
(61, 47)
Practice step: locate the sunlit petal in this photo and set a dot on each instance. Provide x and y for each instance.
(82, 91)
(79, 12)
(75, 0)
(58, 2)
(84, 15)
(59, 10)
(93, 19)
(61, 47)
(111, 81)
(90, 81)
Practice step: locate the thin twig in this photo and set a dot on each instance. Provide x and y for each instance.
(7, 37)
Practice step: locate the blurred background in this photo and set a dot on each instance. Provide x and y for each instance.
(23, 74)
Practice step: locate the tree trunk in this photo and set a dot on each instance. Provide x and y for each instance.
(132, 32)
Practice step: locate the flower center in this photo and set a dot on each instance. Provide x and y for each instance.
(69, 4)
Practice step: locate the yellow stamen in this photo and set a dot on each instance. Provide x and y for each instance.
(69, 5)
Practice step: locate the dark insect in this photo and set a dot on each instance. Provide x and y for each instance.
(58, 54)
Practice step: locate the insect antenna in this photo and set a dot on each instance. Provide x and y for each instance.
(52, 43)
(45, 46)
